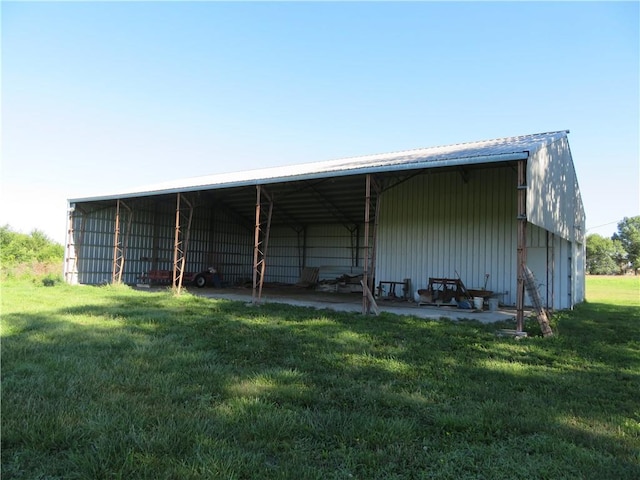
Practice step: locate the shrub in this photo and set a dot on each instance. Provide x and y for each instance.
(20, 248)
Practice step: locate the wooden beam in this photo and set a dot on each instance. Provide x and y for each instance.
(369, 295)
(522, 242)
(366, 302)
(71, 251)
(374, 240)
(116, 243)
(260, 244)
(181, 242)
(120, 240)
(536, 300)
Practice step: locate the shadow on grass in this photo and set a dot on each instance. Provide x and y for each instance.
(153, 386)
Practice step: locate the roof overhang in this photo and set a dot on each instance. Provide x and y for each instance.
(326, 192)
(193, 185)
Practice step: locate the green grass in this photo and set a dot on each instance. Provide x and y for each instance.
(621, 290)
(111, 383)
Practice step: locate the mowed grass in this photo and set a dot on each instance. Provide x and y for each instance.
(621, 290)
(112, 383)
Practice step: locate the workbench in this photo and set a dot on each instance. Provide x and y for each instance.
(389, 293)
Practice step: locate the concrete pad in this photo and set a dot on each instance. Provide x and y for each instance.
(340, 302)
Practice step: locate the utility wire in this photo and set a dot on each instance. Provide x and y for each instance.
(603, 225)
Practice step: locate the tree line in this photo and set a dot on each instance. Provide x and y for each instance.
(20, 248)
(618, 254)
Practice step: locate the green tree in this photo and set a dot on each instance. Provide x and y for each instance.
(44, 248)
(601, 255)
(20, 248)
(629, 236)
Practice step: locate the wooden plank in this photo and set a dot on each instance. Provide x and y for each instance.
(536, 299)
(522, 241)
(372, 301)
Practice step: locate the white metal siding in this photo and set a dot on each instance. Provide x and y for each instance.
(284, 258)
(580, 269)
(230, 247)
(438, 225)
(555, 268)
(553, 198)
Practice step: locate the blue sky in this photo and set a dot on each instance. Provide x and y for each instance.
(98, 97)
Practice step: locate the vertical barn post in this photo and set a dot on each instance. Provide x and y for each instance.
(120, 240)
(256, 247)
(260, 244)
(553, 271)
(372, 277)
(116, 245)
(180, 243)
(265, 240)
(522, 242)
(176, 248)
(550, 271)
(71, 252)
(366, 306)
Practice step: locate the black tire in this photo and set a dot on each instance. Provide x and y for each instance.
(200, 281)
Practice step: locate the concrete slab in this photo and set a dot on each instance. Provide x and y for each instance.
(352, 302)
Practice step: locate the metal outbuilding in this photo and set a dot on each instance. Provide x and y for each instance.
(480, 211)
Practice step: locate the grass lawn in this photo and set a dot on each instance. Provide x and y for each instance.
(618, 290)
(112, 383)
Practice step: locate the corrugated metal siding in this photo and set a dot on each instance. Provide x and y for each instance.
(550, 259)
(580, 269)
(94, 245)
(437, 225)
(329, 247)
(230, 247)
(335, 250)
(284, 258)
(214, 239)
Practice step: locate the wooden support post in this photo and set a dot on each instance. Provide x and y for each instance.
(260, 244)
(120, 240)
(522, 243)
(374, 253)
(181, 242)
(550, 274)
(71, 253)
(176, 273)
(265, 241)
(256, 248)
(369, 295)
(116, 246)
(366, 303)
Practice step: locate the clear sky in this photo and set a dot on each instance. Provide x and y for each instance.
(99, 97)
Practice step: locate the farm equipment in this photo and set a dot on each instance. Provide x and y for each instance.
(210, 277)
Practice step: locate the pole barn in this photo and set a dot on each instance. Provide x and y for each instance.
(479, 214)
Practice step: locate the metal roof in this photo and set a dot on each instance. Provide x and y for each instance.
(461, 154)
